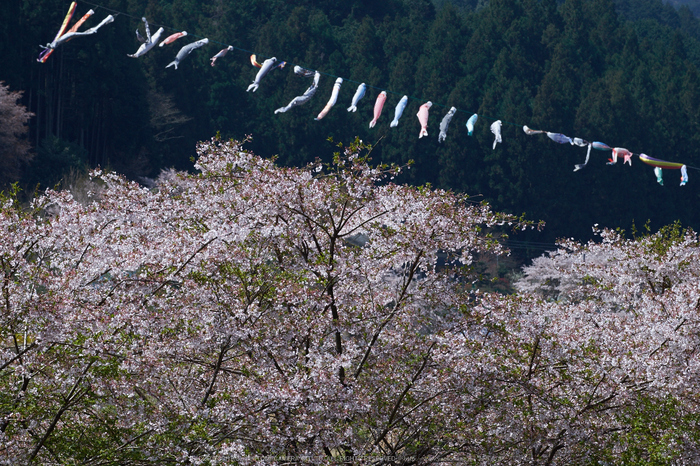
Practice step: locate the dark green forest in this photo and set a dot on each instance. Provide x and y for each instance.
(622, 72)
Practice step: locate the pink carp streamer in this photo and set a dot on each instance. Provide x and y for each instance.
(621, 152)
(172, 38)
(220, 54)
(423, 118)
(378, 106)
(530, 131)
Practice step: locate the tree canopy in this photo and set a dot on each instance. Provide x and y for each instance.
(325, 314)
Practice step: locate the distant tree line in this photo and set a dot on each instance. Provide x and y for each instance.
(622, 72)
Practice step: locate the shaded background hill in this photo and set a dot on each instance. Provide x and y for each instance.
(621, 72)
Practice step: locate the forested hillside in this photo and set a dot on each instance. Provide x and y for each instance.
(693, 5)
(624, 73)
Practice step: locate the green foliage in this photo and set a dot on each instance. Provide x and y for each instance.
(655, 432)
(55, 158)
(666, 238)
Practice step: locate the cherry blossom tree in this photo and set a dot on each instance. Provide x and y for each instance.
(252, 314)
(609, 369)
(14, 148)
(245, 313)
